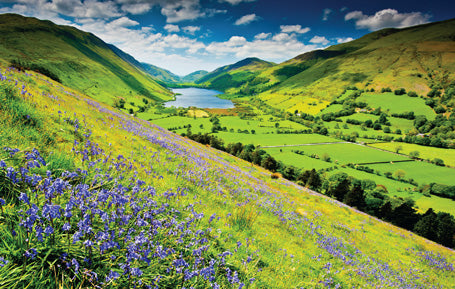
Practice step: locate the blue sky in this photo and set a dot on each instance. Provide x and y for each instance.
(187, 35)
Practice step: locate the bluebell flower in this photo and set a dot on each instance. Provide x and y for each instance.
(112, 276)
(31, 253)
(3, 262)
(75, 264)
(24, 198)
(136, 272)
(49, 230)
(66, 227)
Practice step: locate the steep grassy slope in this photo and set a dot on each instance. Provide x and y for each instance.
(109, 194)
(78, 59)
(415, 58)
(234, 75)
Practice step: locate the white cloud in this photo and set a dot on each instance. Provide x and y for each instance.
(235, 2)
(137, 8)
(319, 40)
(171, 28)
(386, 18)
(181, 10)
(294, 28)
(246, 19)
(344, 39)
(124, 22)
(325, 14)
(191, 29)
(262, 35)
(280, 47)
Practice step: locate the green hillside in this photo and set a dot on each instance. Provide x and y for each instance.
(93, 197)
(192, 77)
(161, 74)
(416, 58)
(77, 59)
(234, 75)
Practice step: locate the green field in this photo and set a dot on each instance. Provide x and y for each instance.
(389, 102)
(394, 187)
(428, 153)
(299, 161)
(351, 153)
(180, 121)
(403, 124)
(421, 172)
(274, 139)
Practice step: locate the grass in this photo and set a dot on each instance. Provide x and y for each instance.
(81, 60)
(290, 236)
(351, 153)
(299, 161)
(392, 103)
(425, 152)
(421, 172)
(274, 139)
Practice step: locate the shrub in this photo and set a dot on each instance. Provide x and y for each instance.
(276, 176)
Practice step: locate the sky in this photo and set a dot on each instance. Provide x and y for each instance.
(188, 35)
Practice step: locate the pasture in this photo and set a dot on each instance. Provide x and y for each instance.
(421, 172)
(428, 153)
(389, 102)
(344, 153)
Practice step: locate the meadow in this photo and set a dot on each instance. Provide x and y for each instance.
(391, 103)
(274, 139)
(344, 153)
(422, 172)
(136, 205)
(425, 152)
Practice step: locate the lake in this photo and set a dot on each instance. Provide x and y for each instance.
(198, 97)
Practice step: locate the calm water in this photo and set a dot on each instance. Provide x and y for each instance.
(198, 97)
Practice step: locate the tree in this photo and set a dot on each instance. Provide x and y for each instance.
(419, 121)
(438, 162)
(405, 215)
(355, 196)
(338, 185)
(304, 177)
(256, 156)
(377, 126)
(383, 118)
(427, 225)
(289, 173)
(399, 174)
(245, 155)
(414, 154)
(314, 180)
(398, 149)
(385, 212)
(269, 163)
(446, 229)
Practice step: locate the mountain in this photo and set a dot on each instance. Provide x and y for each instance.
(161, 74)
(89, 194)
(169, 78)
(415, 58)
(194, 76)
(234, 75)
(77, 59)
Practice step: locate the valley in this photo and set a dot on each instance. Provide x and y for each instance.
(322, 171)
